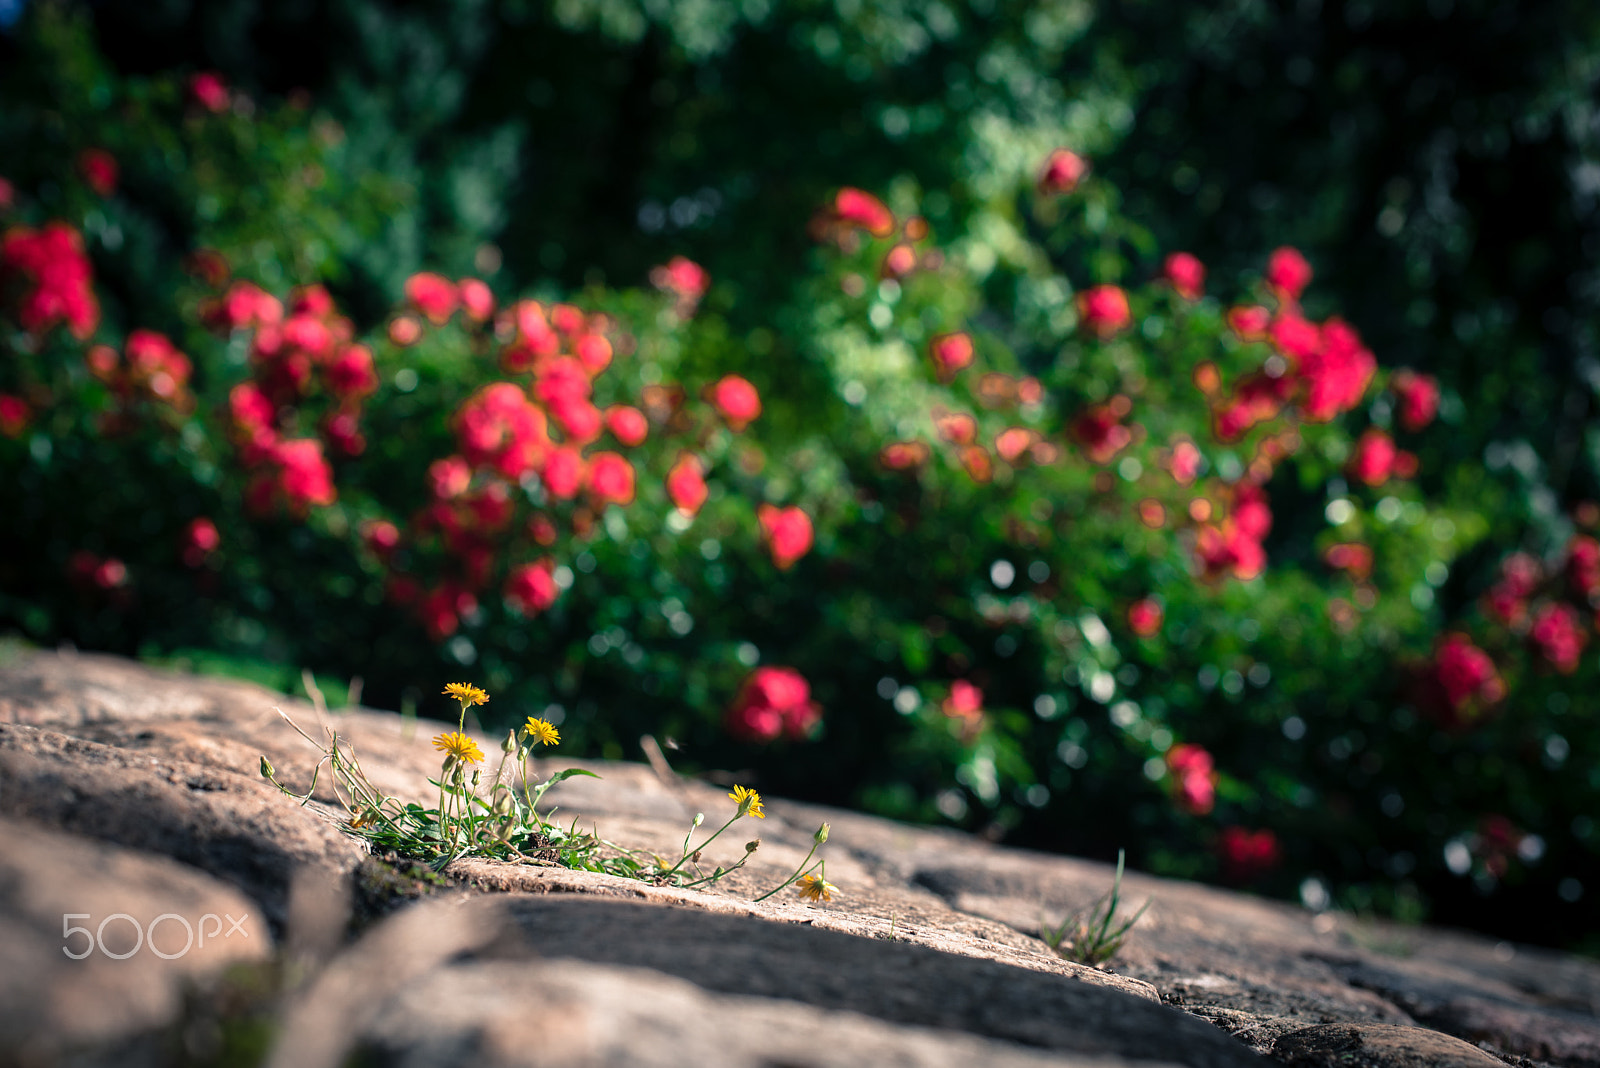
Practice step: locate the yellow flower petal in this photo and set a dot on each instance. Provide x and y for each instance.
(542, 731)
(749, 802)
(458, 745)
(465, 693)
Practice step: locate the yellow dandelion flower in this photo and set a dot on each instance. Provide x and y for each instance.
(816, 888)
(466, 693)
(542, 731)
(749, 802)
(458, 745)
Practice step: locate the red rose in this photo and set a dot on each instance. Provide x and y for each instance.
(1186, 274)
(1062, 171)
(1104, 310)
(736, 400)
(788, 533)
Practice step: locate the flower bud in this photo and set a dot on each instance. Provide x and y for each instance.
(821, 835)
(509, 746)
(699, 818)
(266, 768)
(751, 847)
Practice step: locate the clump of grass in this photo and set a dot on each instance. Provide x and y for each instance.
(498, 817)
(1088, 936)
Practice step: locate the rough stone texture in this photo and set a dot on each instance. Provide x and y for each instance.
(930, 955)
(53, 1003)
(1375, 1045)
(233, 826)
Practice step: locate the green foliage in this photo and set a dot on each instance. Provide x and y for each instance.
(1088, 936)
(562, 152)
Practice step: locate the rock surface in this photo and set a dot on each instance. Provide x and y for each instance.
(129, 790)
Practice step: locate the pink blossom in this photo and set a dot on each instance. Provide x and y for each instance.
(1186, 274)
(610, 478)
(1288, 273)
(531, 588)
(773, 701)
(1103, 310)
(860, 208)
(1559, 636)
(99, 169)
(965, 701)
(209, 90)
(736, 400)
(1062, 171)
(1418, 396)
(433, 295)
(477, 300)
(1144, 617)
(788, 533)
(628, 425)
(1247, 854)
(686, 484)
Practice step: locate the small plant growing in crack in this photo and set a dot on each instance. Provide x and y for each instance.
(1092, 935)
(499, 817)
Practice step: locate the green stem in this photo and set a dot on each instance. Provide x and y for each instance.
(798, 872)
(684, 859)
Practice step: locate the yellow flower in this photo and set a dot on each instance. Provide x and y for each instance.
(541, 731)
(466, 693)
(816, 888)
(458, 745)
(749, 802)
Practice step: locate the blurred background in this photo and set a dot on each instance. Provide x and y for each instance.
(1281, 574)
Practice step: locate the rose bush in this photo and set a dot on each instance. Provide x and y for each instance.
(974, 524)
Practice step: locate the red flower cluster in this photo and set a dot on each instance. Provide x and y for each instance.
(295, 475)
(685, 280)
(150, 367)
(1062, 172)
(1559, 636)
(290, 356)
(964, 702)
(737, 401)
(950, 353)
(1192, 777)
(244, 306)
(1462, 682)
(773, 701)
(94, 573)
(1103, 310)
(14, 415)
(787, 532)
(858, 208)
(54, 261)
(1144, 617)
(209, 91)
(531, 588)
(99, 170)
(1186, 274)
(1234, 545)
(199, 542)
(1418, 397)
(1351, 557)
(1507, 600)
(1376, 460)
(686, 484)
(1099, 430)
(1247, 854)
(1288, 273)
(1583, 568)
